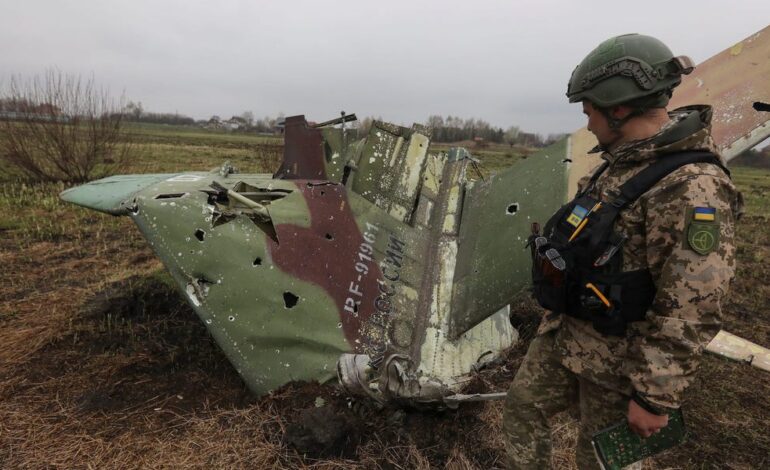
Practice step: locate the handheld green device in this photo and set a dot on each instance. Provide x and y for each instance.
(618, 446)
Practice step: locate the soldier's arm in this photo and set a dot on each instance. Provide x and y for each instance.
(692, 263)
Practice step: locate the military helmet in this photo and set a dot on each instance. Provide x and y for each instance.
(628, 69)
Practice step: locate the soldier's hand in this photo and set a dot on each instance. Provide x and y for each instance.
(643, 422)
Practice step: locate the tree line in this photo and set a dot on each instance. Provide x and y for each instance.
(455, 129)
(60, 127)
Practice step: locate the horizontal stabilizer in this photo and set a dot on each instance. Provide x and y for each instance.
(109, 195)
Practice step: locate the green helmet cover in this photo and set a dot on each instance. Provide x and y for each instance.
(630, 69)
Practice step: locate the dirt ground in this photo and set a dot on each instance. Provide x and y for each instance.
(103, 365)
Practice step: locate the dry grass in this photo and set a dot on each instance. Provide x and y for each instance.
(103, 366)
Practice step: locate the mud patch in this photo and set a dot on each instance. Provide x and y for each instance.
(325, 432)
(345, 428)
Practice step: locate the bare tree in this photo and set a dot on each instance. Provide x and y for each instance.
(248, 118)
(511, 135)
(59, 127)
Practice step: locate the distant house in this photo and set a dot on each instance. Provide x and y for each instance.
(213, 123)
(234, 123)
(12, 109)
(231, 124)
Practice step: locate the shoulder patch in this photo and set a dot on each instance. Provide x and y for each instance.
(702, 229)
(704, 213)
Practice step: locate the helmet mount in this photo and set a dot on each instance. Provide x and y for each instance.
(633, 70)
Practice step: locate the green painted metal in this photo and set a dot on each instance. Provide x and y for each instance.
(321, 269)
(492, 261)
(108, 194)
(240, 300)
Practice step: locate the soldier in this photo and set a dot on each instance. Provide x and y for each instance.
(632, 272)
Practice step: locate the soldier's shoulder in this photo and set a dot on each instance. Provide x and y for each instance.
(698, 177)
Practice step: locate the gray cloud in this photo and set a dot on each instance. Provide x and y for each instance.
(506, 62)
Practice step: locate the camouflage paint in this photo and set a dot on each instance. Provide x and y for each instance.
(328, 271)
(234, 282)
(325, 254)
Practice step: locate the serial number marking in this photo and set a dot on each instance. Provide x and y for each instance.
(364, 257)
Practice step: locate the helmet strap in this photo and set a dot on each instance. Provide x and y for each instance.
(616, 123)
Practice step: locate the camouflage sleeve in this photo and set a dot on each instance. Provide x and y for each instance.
(585, 179)
(692, 261)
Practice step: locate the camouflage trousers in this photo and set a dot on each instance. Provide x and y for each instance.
(543, 387)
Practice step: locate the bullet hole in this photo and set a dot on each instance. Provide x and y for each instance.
(290, 300)
(355, 308)
(197, 290)
(323, 192)
(346, 174)
(170, 196)
(567, 160)
(257, 261)
(133, 208)
(231, 318)
(200, 235)
(760, 106)
(512, 208)
(329, 236)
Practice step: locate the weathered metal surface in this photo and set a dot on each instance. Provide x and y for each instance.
(110, 194)
(492, 261)
(734, 347)
(731, 82)
(303, 152)
(390, 166)
(291, 274)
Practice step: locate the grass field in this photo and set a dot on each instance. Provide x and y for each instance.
(103, 365)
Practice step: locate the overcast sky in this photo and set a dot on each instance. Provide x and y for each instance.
(507, 62)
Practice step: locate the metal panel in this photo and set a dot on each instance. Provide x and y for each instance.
(492, 262)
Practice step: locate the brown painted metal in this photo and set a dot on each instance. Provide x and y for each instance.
(326, 253)
(303, 152)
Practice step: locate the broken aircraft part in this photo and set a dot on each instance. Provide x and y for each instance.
(734, 347)
(376, 260)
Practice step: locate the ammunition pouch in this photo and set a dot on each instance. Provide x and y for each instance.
(630, 295)
(577, 261)
(626, 295)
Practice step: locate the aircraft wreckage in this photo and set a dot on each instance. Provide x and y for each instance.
(379, 261)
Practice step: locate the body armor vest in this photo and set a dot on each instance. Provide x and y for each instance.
(577, 265)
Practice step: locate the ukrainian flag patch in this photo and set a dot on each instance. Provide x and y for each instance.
(704, 214)
(577, 215)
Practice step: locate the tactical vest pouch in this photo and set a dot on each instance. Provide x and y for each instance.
(629, 295)
(575, 267)
(548, 275)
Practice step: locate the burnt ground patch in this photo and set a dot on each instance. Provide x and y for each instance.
(135, 342)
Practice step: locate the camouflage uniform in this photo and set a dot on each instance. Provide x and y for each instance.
(658, 357)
